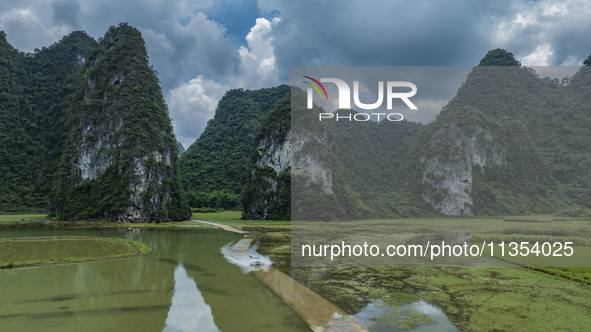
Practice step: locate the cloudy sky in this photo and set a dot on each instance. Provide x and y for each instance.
(202, 48)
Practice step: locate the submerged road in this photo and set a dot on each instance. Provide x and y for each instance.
(320, 314)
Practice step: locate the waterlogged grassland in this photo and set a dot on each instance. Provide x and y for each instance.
(474, 299)
(18, 252)
(433, 231)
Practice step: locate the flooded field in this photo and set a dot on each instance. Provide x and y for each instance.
(185, 284)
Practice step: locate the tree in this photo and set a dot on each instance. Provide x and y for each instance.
(499, 57)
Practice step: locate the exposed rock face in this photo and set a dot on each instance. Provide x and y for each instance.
(181, 148)
(276, 155)
(267, 194)
(304, 154)
(447, 176)
(93, 156)
(270, 170)
(479, 156)
(312, 158)
(120, 159)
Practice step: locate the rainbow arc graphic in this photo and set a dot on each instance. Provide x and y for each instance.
(316, 86)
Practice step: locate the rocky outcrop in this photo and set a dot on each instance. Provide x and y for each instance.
(292, 169)
(447, 168)
(120, 158)
(270, 171)
(276, 155)
(487, 153)
(312, 158)
(267, 193)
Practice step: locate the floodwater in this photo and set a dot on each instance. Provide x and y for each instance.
(379, 316)
(191, 281)
(185, 284)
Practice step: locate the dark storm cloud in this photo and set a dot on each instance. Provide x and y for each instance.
(383, 32)
(426, 32)
(185, 39)
(66, 12)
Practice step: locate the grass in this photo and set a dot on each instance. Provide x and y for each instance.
(41, 221)
(534, 219)
(577, 274)
(18, 252)
(9, 219)
(232, 218)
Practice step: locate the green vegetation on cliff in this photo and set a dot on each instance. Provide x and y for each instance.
(371, 155)
(499, 57)
(214, 168)
(35, 91)
(119, 161)
(267, 192)
(534, 127)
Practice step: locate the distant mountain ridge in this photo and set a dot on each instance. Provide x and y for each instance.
(510, 142)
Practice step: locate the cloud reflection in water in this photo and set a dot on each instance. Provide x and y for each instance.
(188, 311)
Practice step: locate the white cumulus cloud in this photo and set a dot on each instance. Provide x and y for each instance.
(257, 61)
(192, 104)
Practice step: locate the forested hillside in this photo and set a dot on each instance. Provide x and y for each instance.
(214, 168)
(85, 133)
(35, 91)
(84, 126)
(510, 142)
(371, 156)
(570, 137)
